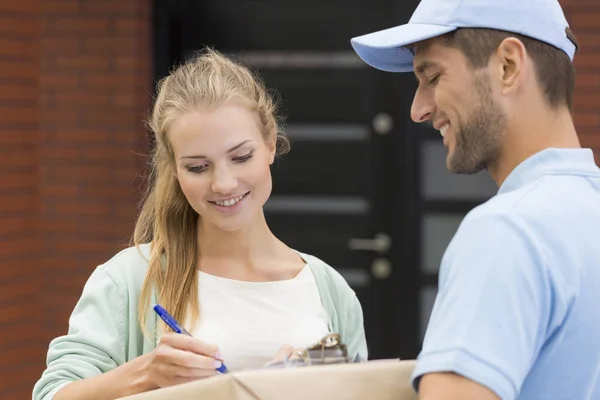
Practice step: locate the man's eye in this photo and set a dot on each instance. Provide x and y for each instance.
(433, 80)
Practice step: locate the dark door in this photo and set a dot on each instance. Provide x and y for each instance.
(349, 192)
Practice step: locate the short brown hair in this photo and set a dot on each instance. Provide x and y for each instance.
(555, 71)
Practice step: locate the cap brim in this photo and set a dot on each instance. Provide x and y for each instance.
(385, 49)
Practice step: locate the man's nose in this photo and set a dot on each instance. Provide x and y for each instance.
(422, 107)
(224, 181)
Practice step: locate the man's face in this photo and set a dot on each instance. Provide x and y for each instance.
(460, 103)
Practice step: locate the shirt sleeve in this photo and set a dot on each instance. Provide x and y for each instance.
(94, 342)
(354, 331)
(490, 316)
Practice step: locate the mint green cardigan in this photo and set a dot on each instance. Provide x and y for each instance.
(104, 331)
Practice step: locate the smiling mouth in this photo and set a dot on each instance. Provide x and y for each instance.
(230, 202)
(444, 129)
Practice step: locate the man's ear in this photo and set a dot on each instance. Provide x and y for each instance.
(512, 60)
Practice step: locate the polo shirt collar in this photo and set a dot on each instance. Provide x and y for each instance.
(550, 161)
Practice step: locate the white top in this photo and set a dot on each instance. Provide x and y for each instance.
(251, 321)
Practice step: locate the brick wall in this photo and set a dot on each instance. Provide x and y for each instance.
(584, 18)
(74, 84)
(19, 196)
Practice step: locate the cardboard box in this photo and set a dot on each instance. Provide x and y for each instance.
(372, 380)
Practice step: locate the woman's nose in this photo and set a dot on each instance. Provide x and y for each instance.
(224, 181)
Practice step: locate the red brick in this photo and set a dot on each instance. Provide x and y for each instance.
(578, 3)
(109, 228)
(118, 7)
(68, 206)
(57, 114)
(15, 92)
(128, 26)
(126, 64)
(587, 101)
(112, 44)
(115, 156)
(62, 189)
(9, 248)
(21, 159)
(20, 354)
(17, 47)
(26, 330)
(127, 99)
(66, 46)
(61, 226)
(81, 99)
(54, 154)
(21, 377)
(588, 40)
(82, 136)
(582, 19)
(588, 80)
(17, 290)
(60, 81)
(19, 26)
(21, 136)
(86, 63)
(16, 180)
(588, 61)
(11, 114)
(20, 7)
(78, 26)
(62, 7)
(87, 174)
(18, 69)
(587, 120)
(110, 81)
(113, 118)
(81, 245)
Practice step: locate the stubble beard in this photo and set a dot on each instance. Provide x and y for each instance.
(478, 142)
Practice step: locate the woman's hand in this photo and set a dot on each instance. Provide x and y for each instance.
(180, 358)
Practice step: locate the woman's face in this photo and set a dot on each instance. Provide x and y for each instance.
(223, 164)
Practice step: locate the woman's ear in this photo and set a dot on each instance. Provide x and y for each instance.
(272, 147)
(173, 170)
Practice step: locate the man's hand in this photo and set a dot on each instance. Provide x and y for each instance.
(449, 386)
(286, 351)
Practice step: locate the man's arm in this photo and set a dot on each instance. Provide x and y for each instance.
(449, 386)
(491, 314)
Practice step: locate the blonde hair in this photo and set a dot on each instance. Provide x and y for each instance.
(166, 219)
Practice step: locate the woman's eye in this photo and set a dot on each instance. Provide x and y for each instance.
(243, 158)
(198, 169)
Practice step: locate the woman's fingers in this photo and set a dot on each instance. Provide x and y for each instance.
(188, 343)
(171, 355)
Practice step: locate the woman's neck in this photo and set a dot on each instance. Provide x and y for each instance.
(240, 245)
(252, 253)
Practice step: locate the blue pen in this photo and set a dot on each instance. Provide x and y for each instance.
(173, 324)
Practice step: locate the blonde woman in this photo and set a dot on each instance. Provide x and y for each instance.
(204, 251)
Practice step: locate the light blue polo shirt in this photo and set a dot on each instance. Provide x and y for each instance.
(518, 307)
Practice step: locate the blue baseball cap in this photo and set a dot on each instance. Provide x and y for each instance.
(543, 20)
